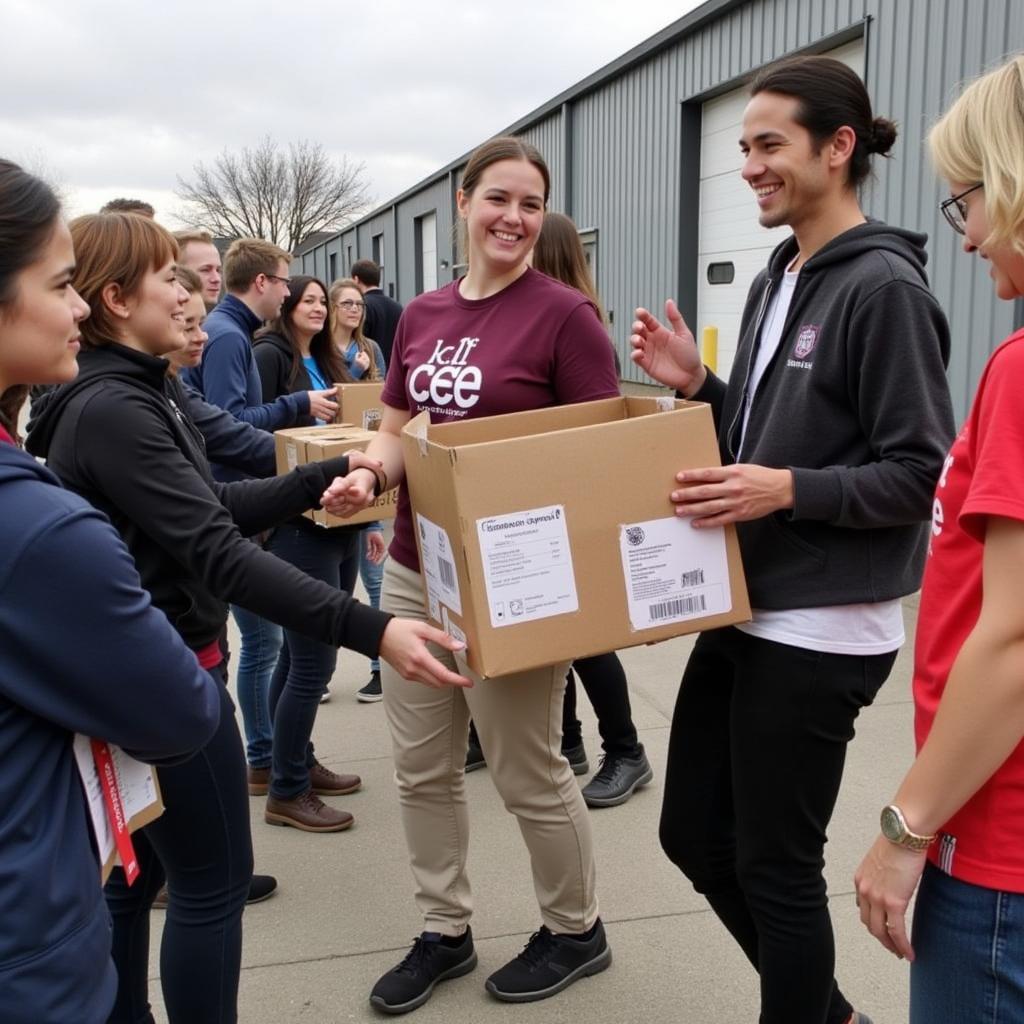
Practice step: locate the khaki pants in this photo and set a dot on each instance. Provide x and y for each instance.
(519, 719)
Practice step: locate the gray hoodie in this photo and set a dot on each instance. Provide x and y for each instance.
(855, 402)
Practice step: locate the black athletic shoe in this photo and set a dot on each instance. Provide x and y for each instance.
(548, 964)
(261, 888)
(371, 692)
(616, 780)
(475, 757)
(429, 961)
(577, 758)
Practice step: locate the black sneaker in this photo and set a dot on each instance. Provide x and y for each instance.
(429, 961)
(475, 757)
(577, 758)
(261, 888)
(371, 692)
(616, 780)
(548, 964)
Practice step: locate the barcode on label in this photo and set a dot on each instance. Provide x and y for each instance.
(447, 573)
(693, 578)
(677, 606)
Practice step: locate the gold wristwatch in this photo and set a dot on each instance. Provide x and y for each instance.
(894, 828)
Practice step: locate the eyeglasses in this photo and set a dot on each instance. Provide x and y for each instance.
(278, 277)
(351, 304)
(954, 209)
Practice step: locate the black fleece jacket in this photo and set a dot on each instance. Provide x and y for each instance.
(120, 436)
(855, 402)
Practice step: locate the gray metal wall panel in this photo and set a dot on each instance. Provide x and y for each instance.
(435, 198)
(547, 136)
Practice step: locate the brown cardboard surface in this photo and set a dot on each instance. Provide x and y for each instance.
(607, 464)
(300, 445)
(360, 404)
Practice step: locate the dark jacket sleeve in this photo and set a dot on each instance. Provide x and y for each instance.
(87, 650)
(229, 441)
(711, 391)
(152, 482)
(899, 346)
(226, 383)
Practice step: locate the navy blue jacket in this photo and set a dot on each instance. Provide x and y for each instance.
(84, 651)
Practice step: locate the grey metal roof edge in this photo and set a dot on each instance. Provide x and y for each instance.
(668, 36)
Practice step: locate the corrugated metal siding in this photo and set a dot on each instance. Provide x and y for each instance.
(434, 198)
(548, 136)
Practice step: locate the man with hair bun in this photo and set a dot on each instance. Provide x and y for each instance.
(833, 428)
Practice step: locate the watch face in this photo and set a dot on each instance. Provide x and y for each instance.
(892, 827)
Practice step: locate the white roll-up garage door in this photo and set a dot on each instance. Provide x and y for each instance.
(732, 246)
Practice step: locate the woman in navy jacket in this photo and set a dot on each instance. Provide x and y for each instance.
(78, 634)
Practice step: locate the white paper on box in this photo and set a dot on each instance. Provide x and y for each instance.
(291, 455)
(673, 572)
(452, 629)
(438, 566)
(527, 565)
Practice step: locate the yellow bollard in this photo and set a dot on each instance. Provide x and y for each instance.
(709, 348)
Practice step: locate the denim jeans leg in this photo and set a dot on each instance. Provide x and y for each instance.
(967, 941)
(261, 644)
(371, 574)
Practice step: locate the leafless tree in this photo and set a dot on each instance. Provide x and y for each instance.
(265, 192)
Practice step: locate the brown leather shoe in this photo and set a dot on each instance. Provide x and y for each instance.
(327, 783)
(306, 812)
(259, 781)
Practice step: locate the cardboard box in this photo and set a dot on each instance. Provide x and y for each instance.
(360, 404)
(546, 536)
(299, 445)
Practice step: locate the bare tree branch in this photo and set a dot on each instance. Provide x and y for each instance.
(263, 192)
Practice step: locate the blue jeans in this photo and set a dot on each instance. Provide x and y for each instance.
(371, 574)
(261, 645)
(305, 666)
(969, 943)
(201, 844)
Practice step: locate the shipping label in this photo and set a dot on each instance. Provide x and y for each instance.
(673, 572)
(439, 573)
(527, 565)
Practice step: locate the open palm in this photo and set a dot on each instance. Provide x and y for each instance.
(668, 354)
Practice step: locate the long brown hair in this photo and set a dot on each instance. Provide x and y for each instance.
(362, 342)
(330, 363)
(559, 254)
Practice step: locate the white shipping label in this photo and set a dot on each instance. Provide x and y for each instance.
(527, 565)
(438, 567)
(673, 572)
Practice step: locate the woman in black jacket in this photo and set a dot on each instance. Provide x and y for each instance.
(294, 353)
(118, 438)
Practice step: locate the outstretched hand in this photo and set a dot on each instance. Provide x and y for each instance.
(670, 356)
(404, 647)
(346, 495)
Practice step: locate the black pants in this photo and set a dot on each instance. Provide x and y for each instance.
(604, 680)
(202, 845)
(755, 760)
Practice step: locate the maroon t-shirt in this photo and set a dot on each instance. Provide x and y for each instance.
(535, 344)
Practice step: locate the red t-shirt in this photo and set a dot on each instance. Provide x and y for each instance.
(983, 843)
(535, 344)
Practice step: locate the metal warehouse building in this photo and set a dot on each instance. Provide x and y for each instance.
(644, 158)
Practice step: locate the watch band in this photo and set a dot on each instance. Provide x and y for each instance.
(896, 830)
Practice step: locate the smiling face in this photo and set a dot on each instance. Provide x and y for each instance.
(790, 179)
(39, 327)
(195, 337)
(310, 313)
(204, 259)
(349, 309)
(155, 321)
(1007, 264)
(503, 215)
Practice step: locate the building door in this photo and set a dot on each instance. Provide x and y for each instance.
(732, 246)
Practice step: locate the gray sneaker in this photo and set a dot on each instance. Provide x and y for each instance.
(616, 780)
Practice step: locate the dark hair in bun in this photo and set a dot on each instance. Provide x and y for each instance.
(830, 95)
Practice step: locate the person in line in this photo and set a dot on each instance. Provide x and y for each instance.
(294, 353)
(538, 343)
(956, 822)
(382, 312)
(197, 252)
(65, 572)
(186, 534)
(832, 428)
(363, 361)
(256, 277)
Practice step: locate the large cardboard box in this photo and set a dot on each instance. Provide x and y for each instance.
(549, 535)
(360, 404)
(299, 445)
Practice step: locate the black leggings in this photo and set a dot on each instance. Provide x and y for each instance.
(604, 680)
(755, 760)
(202, 844)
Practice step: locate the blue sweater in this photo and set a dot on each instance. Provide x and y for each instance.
(83, 651)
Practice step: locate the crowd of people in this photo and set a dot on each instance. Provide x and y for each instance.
(838, 450)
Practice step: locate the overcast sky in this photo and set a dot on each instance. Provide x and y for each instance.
(118, 99)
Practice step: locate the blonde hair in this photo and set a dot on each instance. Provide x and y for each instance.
(187, 235)
(980, 140)
(247, 258)
(362, 342)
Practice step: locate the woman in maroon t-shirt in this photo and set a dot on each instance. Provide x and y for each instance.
(504, 338)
